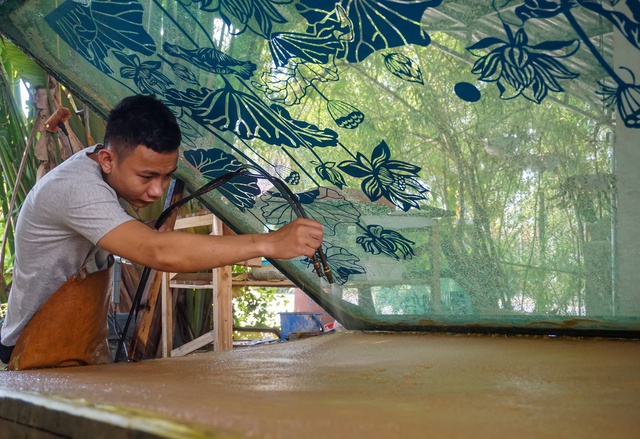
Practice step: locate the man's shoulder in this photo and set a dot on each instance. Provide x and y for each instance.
(77, 178)
(76, 168)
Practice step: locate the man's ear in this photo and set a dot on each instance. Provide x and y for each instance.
(106, 159)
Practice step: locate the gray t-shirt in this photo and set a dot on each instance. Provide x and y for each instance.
(63, 217)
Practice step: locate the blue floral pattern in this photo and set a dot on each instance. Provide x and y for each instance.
(343, 264)
(255, 110)
(378, 240)
(382, 177)
(520, 69)
(146, 75)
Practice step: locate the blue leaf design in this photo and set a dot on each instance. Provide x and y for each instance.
(485, 43)
(258, 15)
(247, 117)
(557, 45)
(332, 211)
(308, 48)
(379, 24)
(213, 163)
(100, 26)
(310, 135)
(319, 45)
(542, 8)
(288, 85)
(212, 60)
(629, 27)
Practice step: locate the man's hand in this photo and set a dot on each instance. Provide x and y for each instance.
(301, 237)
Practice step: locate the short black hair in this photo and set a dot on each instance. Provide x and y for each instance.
(142, 120)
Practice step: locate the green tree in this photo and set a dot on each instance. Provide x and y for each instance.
(17, 160)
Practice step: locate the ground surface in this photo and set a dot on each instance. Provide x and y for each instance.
(352, 385)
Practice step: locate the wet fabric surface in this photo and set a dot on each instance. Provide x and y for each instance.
(373, 385)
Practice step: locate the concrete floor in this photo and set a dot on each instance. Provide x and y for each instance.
(344, 385)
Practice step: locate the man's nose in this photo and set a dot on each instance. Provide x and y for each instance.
(156, 189)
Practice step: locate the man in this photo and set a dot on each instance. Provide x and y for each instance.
(72, 219)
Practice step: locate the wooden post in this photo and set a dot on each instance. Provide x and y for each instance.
(222, 306)
(167, 317)
(436, 291)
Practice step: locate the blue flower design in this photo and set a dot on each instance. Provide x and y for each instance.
(520, 69)
(403, 67)
(342, 263)
(327, 172)
(146, 75)
(378, 240)
(393, 179)
(345, 115)
(625, 98)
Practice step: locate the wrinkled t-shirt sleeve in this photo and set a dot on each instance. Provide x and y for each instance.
(94, 211)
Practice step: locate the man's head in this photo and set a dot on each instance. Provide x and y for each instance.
(141, 120)
(142, 140)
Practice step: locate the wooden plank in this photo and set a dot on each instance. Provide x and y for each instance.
(222, 305)
(167, 317)
(194, 221)
(195, 278)
(205, 280)
(191, 346)
(436, 293)
(188, 286)
(264, 283)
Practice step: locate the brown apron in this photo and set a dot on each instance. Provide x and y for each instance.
(71, 327)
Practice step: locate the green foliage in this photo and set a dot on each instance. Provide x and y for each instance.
(257, 306)
(15, 126)
(528, 182)
(198, 308)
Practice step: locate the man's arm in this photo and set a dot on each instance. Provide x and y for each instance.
(186, 252)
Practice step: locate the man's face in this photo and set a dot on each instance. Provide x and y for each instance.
(141, 177)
